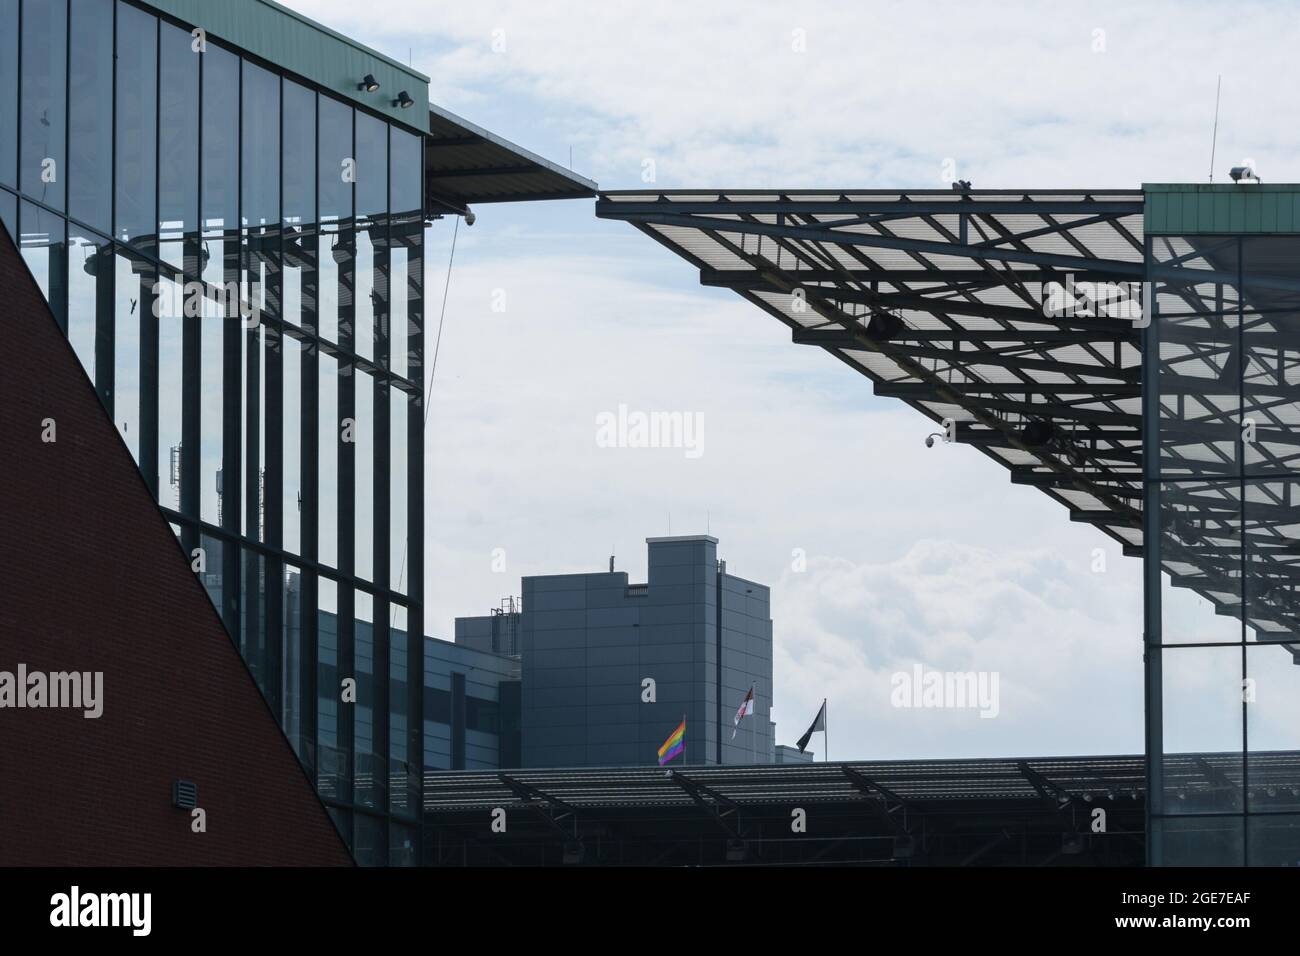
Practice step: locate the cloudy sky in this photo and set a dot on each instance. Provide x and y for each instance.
(914, 555)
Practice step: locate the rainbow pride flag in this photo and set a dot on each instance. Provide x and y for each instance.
(674, 745)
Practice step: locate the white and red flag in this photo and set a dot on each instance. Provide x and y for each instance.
(746, 708)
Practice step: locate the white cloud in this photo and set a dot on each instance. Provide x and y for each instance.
(916, 555)
(1014, 92)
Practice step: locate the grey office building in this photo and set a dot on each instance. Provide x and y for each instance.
(591, 644)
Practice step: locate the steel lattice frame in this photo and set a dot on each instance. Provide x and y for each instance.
(938, 297)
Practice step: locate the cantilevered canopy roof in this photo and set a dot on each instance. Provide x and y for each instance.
(466, 164)
(938, 297)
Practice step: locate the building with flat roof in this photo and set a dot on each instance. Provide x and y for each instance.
(610, 668)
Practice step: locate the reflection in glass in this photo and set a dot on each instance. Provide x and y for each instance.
(135, 165)
(171, 339)
(86, 253)
(291, 666)
(327, 512)
(41, 242)
(178, 137)
(44, 101)
(366, 293)
(331, 765)
(370, 775)
(261, 146)
(364, 506)
(397, 493)
(291, 504)
(9, 91)
(252, 617)
(299, 159)
(90, 114)
(253, 432)
(131, 292)
(220, 166)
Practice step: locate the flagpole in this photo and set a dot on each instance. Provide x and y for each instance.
(826, 734)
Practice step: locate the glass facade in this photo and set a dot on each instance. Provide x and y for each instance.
(1222, 395)
(237, 259)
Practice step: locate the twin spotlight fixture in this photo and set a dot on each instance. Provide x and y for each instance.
(369, 84)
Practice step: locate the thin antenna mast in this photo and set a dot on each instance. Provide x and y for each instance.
(1214, 142)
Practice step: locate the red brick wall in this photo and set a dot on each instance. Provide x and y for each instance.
(91, 579)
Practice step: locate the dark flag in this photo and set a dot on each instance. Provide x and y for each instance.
(819, 724)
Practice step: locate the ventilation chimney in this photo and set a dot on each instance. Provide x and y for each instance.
(611, 564)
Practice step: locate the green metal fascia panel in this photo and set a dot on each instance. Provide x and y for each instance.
(1187, 209)
(291, 41)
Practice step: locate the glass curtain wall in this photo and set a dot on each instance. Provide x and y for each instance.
(1223, 499)
(237, 259)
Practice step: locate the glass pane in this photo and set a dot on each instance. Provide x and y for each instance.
(1273, 727)
(133, 282)
(253, 641)
(406, 181)
(397, 495)
(1202, 689)
(1272, 557)
(364, 505)
(90, 114)
(400, 771)
(42, 242)
(178, 131)
(291, 662)
(299, 154)
(135, 162)
(1200, 357)
(220, 188)
(370, 775)
(333, 262)
(9, 215)
(327, 514)
(369, 845)
(171, 352)
(397, 304)
(372, 166)
(401, 845)
(1274, 840)
(44, 101)
(1271, 367)
(337, 161)
(9, 92)
(253, 432)
(292, 455)
(261, 146)
(1200, 552)
(213, 564)
(298, 276)
(1202, 841)
(332, 769)
(86, 293)
(211, 387)
(367, 295)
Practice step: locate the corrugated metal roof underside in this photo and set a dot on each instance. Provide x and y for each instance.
(466, 164)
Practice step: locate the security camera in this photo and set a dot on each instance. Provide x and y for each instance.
(929, 439)
(1238, 173)
(470, 218)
